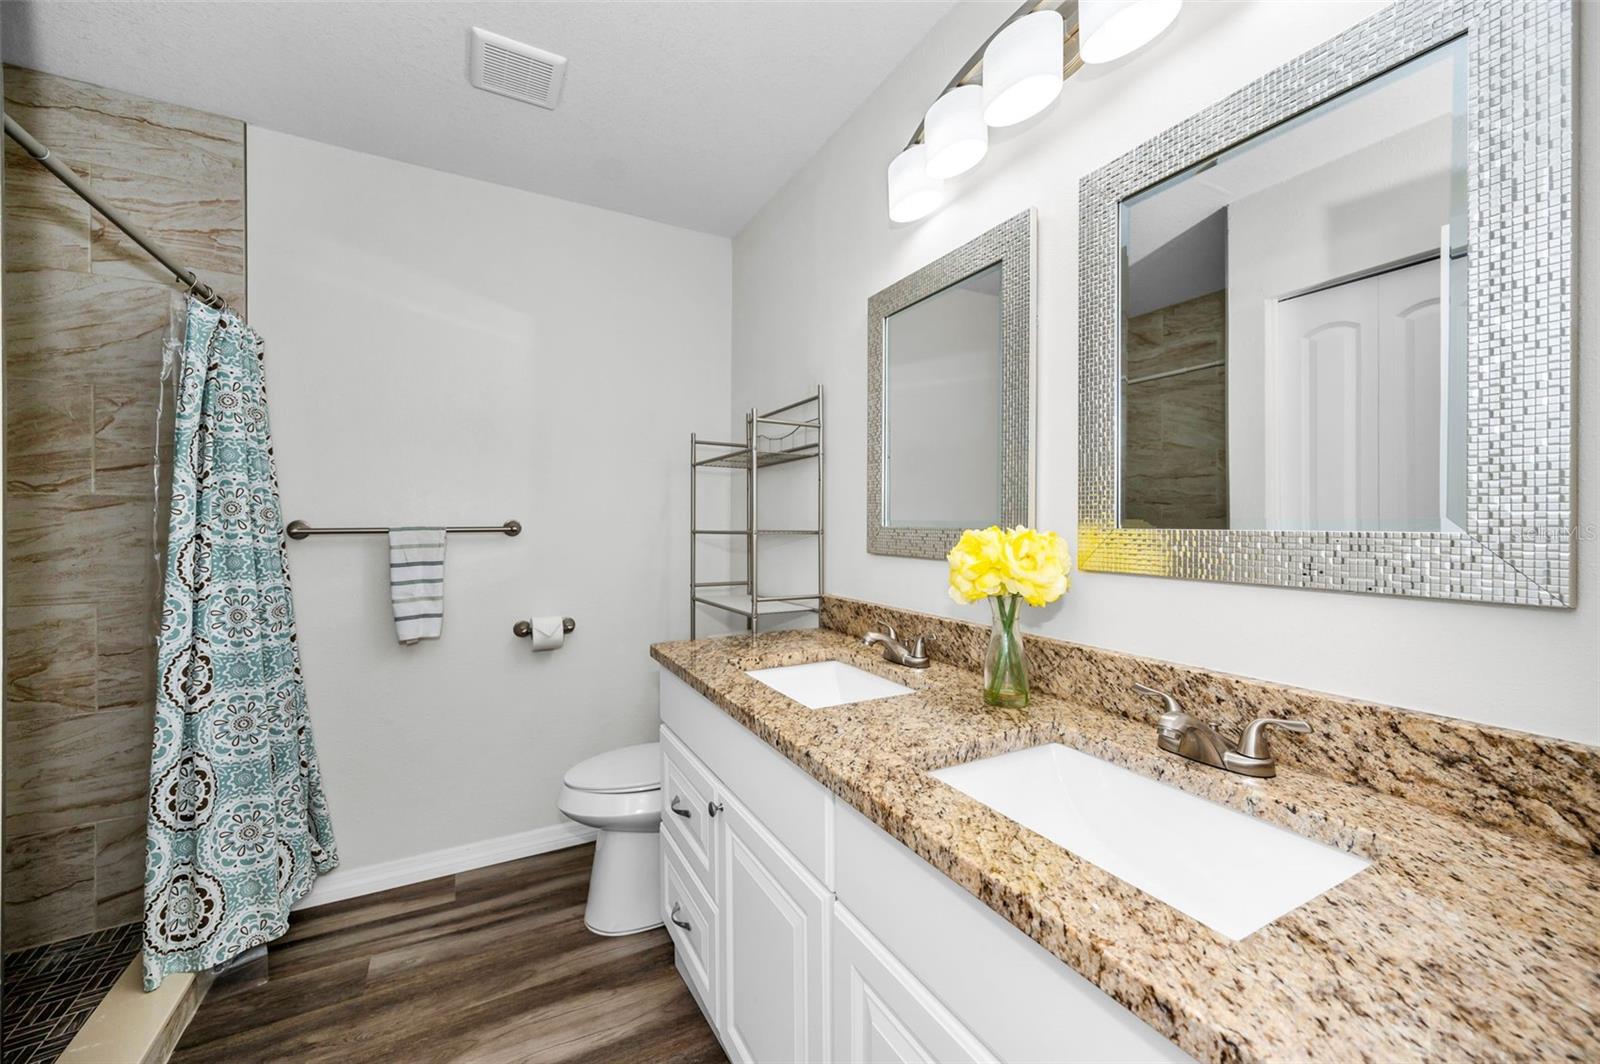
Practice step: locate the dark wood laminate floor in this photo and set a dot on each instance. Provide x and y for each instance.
(493, 965)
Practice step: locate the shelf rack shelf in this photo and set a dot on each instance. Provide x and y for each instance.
(776, 437)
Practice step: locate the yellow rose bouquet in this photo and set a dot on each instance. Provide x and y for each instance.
(1008, 567)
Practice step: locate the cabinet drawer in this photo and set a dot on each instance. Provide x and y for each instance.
(688, 796)
(692, 922)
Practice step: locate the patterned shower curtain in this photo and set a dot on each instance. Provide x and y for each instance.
(238, 827)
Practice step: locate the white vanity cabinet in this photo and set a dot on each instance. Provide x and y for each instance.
(774, 928)
(806, 933)
(745, 844)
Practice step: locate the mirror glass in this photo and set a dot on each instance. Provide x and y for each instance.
(1293, 311)
(941, 397)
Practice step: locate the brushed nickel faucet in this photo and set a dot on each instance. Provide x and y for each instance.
(1179, 733)
(895, 652)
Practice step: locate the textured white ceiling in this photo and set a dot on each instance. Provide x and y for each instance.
(690, 113)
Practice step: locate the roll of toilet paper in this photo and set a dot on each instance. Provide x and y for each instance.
(547, 634)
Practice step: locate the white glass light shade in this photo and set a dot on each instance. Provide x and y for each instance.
(1110, 29)
(1022, 68)
(913, 193)
(955, 133)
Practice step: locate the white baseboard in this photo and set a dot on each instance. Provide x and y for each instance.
(354, 882)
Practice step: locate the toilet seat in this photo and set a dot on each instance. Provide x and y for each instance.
(619, 790)
(631, 811)
(627, 770)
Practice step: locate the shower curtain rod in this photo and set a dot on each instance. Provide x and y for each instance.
(41, 154)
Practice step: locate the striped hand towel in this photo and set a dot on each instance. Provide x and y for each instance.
(416, 582)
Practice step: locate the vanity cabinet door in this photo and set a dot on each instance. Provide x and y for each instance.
(774, 934)
(882, 1014)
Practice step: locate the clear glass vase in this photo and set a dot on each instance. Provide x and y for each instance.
(1005, 668)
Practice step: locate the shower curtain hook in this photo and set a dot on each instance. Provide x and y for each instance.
(205, 293)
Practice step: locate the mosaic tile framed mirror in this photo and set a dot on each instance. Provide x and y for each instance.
(950, 395)
(1325, 324)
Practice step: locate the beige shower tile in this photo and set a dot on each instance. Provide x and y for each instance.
(48, 434)
(54, 109)
(1187, 352)
(125, 438)
(1174, 354)
(45, 562)
(1195, 415)
(232, 288)
(1143, 336)
(1175, 457)
(89, 125)
(49, 885)
(81, 327)
(197, 216)
(75, 771)
(125, 654)
(71, 548)
(165, 142)
(47, 224)
(1200, 316)
(119, 870)
(176, 172)
(50, 661)
(1184, 334)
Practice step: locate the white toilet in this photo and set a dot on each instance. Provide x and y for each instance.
(619, 792)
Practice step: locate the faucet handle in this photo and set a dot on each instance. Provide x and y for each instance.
(919, 650)
(1253, 743)
(1173, 705)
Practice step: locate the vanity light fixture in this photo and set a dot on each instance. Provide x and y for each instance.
(1022, 68)
(913, 192)
(954, 132)
(1110, 29)
(1014, 75)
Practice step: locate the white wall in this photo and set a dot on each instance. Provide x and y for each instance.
(442, 350)
(803, 270)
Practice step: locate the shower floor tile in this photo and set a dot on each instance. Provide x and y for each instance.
(50, 990)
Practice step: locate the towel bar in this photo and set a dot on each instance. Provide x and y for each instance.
(300, 530)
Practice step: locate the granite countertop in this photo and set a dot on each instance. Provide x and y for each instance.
(1460, 942)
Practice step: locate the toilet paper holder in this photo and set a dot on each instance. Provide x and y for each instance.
(524, 629)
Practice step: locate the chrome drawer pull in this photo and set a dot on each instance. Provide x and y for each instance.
(681, 812)
(673, 916)
(713, 808)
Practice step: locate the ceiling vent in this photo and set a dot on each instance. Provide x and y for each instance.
(517, 70)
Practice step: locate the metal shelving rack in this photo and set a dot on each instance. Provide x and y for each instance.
(743, 597)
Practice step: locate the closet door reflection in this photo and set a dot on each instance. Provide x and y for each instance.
(1357, 398)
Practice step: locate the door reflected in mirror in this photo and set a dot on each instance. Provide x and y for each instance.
(942, 367)
(1294, 320)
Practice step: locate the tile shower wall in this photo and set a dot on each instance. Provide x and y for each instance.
(85, 311)
(1175, 407)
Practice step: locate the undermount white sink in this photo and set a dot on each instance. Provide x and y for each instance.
(822, 684)
(1230, 871)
